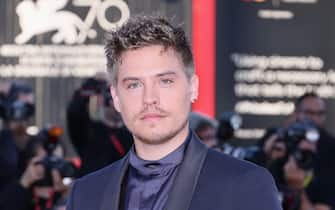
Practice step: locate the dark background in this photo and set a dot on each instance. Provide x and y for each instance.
(239, 29)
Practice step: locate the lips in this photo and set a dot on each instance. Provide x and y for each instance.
(151, 116)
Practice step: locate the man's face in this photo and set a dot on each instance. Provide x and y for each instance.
(154, 94)
(312, 108)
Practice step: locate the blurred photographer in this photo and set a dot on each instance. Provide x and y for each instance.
(46, 178)
(319, 191)
(311, 107)
(291, 160)
(16, 112)
(205, 128)
(95, 127)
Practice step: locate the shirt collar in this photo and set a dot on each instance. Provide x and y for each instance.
(161, 166)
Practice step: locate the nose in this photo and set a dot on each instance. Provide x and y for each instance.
(151, 94)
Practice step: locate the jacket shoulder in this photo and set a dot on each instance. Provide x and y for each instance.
(87, 192)
(227, 177)
(230, 167)
(101, 176)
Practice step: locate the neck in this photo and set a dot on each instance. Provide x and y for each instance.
(159, 151)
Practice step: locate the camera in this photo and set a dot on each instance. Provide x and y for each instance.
(50, 137)
(64, 167)
(229, 122)
(16, 110)
(13, 109)
(293, 135)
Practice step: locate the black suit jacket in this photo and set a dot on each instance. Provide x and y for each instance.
(206, 180)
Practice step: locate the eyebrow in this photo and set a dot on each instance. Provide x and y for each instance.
(126, 79)
(166, 73)
(129, 79)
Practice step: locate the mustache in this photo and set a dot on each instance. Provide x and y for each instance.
(151, 110)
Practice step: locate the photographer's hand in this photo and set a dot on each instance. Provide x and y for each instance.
(32, 173)
(295, 178)
(57, 180)
(306, 204)
(294, 175)
(268, 144)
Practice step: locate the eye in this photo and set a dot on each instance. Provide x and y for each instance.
(133, 85)
(166, 81)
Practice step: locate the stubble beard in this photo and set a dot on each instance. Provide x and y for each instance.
(161, 138)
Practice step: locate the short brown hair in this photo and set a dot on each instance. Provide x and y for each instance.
(299, 101)
(142, 31)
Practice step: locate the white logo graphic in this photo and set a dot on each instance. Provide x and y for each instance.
(46, 16)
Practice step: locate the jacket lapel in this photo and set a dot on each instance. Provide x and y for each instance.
(183, 187)
(111, 196)
(186, 180)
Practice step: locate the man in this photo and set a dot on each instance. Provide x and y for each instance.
(16, 110)
(153, 85)
(322, 190)
(313, 187)
(311, 106)
(95, 128)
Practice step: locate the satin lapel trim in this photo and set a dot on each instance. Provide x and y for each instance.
(186, 180)
(111, 196)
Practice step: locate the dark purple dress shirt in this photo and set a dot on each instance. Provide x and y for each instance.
(147, 185)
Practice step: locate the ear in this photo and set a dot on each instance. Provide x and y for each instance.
(194, 87)
(115, 97)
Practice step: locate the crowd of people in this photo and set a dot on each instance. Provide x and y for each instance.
(33, 167)
(35, 173)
